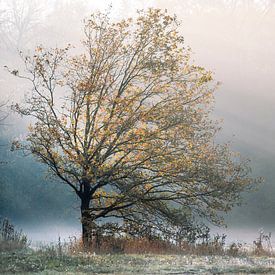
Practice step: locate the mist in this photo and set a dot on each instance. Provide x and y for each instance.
(234, 39)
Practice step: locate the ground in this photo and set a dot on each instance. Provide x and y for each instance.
(30, 262)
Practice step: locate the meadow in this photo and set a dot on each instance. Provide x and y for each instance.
(31, 262)
(17, 255)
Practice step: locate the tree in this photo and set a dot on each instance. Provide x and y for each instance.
(17, 21)
(3, 116)
(126, 125)
(3, 113)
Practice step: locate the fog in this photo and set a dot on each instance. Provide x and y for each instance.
(234, 39)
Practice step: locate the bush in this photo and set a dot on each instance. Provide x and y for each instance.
(11, 239)
(132, 238)
(262, 246)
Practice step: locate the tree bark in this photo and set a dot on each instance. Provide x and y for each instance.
(86, 215)
(85, 221)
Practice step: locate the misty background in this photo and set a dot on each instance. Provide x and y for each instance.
(233, 38)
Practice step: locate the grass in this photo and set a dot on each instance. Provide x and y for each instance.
(210, 256)
(10, 238)
(37, 262)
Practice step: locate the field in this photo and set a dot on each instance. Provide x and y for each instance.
(35, 262)
(135, 256)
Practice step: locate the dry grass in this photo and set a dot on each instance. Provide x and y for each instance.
(262, 246)
(143, 245)
(119, 254)
(121, 243)
(10, 238)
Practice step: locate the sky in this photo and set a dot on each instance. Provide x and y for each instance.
(235, 39)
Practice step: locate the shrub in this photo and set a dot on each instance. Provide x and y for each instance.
(10, 238)
(262, 246)
(132, 238)
(236, 249)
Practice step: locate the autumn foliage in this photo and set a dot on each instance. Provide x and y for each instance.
(126, 125)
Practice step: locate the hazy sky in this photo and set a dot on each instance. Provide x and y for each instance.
(235, 39)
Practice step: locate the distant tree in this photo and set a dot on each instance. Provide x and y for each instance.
(3, 117)
(66, 18)
(3, 113)
(18, 19)
(126, 125)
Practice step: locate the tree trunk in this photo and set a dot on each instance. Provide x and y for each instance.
(85, 221)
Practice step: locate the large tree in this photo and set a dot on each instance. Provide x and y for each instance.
(126, 124)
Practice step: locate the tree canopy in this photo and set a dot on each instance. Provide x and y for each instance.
(126, 124)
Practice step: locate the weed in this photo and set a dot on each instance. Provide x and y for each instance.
(236, 250)
(262, 246)
(10, 238)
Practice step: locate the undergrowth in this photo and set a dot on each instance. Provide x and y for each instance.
(10, 238)
(124, 254)
(112, 239)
